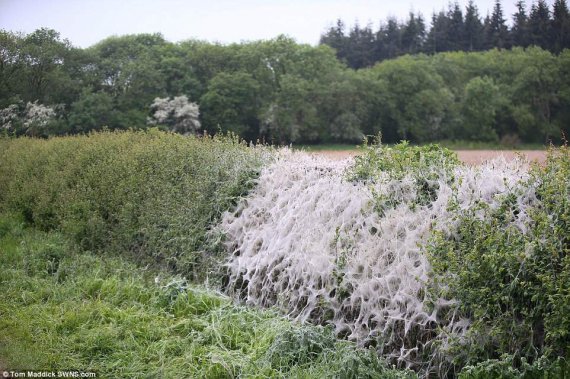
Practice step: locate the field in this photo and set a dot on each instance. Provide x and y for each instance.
(149, 254)
(467, 156)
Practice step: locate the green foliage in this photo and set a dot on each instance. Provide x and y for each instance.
(401, 159)
(281, 91)
(151, 193)
(61, 308)
(542, 368)
(425, 166)
(511, 273)
(480, 104)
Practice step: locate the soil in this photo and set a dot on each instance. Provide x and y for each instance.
(473, 157)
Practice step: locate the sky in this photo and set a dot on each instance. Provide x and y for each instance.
(86, 22)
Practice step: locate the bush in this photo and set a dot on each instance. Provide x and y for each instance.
(151, 193)
(425, 166)
(509, 267)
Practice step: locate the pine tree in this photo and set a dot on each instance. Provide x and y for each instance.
(473, 38)
(539, 25)
(392, 37)
(497, 31)
(560, 26)
(335, 38)
(360, 52)
(437, 39)
(413, 34)
(456, 29)
(520, 30)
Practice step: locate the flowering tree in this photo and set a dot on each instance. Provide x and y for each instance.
(32, 120)
(179, 114)
(9, 117)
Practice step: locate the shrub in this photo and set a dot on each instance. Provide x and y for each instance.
(151, 193)
(425, 166)
(509, 267)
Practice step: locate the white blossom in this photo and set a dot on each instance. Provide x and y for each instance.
(178, 113)
(37, 115)
(33, 118)
(8, 116)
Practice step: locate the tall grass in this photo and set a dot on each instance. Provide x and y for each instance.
(150, 193)
(63, 309)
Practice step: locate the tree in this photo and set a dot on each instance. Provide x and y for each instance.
(231, 103)
(42, 60)
(37, 118)
(520, 30)
(10, 66)
(128, 69)
(360, 47)
(10, 118)
(480, 104)
(536, 92)
(93, 111)
(335, 38)
(392, 37)
(539, 25)
(292, 116)
(31, 120)
(416, 100)
(560, 26)
(456, 28)
(473, 28)
(437, 39)
(413, 34)
(179, 114)
(497, 31)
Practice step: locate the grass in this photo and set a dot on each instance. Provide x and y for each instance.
(62, 308)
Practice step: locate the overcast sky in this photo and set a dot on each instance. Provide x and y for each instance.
(85, 22)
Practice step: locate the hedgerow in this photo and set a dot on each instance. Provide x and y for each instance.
(153, 194)
(509, 268)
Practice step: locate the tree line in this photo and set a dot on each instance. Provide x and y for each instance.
(279, 91)
(453, 30)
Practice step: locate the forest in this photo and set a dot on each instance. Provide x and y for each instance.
(464, 79)
(453, 30)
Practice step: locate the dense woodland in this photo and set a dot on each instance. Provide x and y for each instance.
(453, 30)
(516, 89)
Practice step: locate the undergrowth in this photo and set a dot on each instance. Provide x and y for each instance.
(61, 308)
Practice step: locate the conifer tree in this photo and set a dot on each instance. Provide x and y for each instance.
(413, 34)
(539, 25)
(497, 31)
(437, 39)
(560, 26)
(335, 38)
(456, 29)
(392, 38)
(520, 31)
(473, 28)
